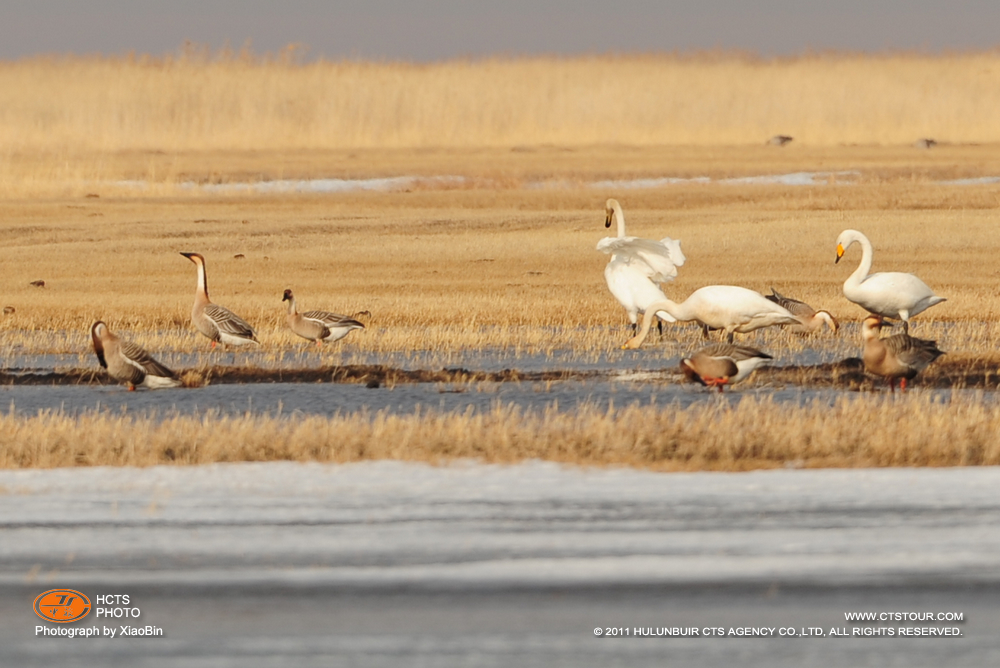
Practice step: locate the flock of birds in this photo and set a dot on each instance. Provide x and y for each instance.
(129, 363)
(634, 274)
(638, 267)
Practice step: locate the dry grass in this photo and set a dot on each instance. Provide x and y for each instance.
(915, 430)
(492, 264)
(475, 269)
(68, 123)
(243, 103)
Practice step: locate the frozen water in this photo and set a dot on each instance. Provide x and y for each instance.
(389, 563)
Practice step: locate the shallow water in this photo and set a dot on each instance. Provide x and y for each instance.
(284, 399)
(644, 388)
(398, 183)
(619, 377)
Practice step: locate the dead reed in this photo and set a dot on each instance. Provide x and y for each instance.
(238, 102)
(859, 431)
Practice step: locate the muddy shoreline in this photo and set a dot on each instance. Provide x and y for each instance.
(847, 374)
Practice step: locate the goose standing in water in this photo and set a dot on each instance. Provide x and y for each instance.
(890, 294)
(900, 356)
(722, 364)
(216, 322)
(637, 266)
(127, 362)
(318, 326)
(727, 307)
(810, 319)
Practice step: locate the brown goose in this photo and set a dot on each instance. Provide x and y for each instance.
(216, 322)
(811, 319)
(125, 361)
(722, 364)
(901, 356)
(318, 326)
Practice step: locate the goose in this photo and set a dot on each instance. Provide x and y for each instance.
(126, 361)
(888, 294)
(637, 266)
(901, 356)
(809, 318)
(721, 364)
(216, 322)
(727, 307)
(318, 326)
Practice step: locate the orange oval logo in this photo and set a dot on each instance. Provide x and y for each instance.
(62, 605)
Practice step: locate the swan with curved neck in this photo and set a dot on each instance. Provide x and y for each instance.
(637, 266)
(726, 307)
(890, 294)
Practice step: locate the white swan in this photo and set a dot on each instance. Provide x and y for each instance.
(889, 294)
(726, 307)
(637, 266)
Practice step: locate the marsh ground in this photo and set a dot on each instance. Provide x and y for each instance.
(502, 266)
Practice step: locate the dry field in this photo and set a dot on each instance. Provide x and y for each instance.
(489, 267)
(505, 259)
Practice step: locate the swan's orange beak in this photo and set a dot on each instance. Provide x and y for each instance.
(840, 253)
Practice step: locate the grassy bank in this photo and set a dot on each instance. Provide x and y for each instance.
(857, 431)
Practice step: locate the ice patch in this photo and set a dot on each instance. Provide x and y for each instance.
(794, 179)
(977, 181)
(648, 183)
(319, 186)
(388, 184)
(400, 183)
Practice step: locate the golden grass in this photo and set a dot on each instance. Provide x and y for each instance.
(492, 264)
(915, 430)
(476, 269)
(243, 103)
(68, 123)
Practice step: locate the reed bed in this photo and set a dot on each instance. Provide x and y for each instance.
(911, 430)
(145, 126)
(239, 102)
